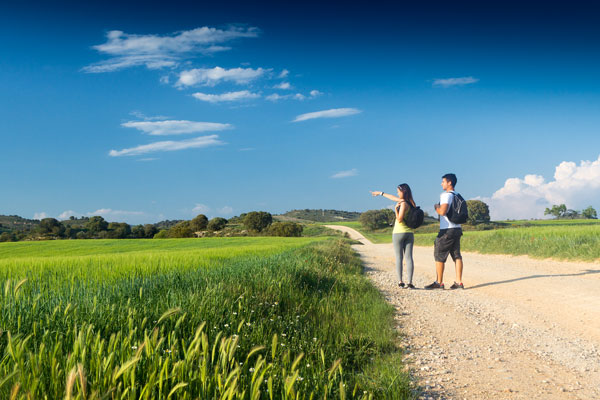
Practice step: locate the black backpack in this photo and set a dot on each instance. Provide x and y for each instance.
(414, 217)
(458, 212)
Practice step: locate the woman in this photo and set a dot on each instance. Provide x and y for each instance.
(402, 236)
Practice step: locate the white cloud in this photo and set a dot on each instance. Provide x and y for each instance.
(67, 214)
(110, 213)
(160, 51)
(229, 96)
(175, 127)
(284, 73)
(201, 209)
(226, 210)
(276, 96)
(333, 113)
(40, 215)
(576, 186)
(212, 76)
(448, 82)
(283, 85)
(315, 93)
(345, 174)
(299, 96)
(169, 145)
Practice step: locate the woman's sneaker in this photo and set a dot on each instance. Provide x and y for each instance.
(435, 285)
(401, 284)
(457, 286)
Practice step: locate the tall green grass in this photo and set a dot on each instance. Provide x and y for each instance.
(567, 242)
(251, 318)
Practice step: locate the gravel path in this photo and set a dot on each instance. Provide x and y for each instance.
(522, 328)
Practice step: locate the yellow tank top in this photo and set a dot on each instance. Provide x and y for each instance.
(400, 227)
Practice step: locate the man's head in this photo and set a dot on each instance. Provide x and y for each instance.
(448, 181)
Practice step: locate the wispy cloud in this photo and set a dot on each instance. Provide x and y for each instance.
(67, 214)
(283, 85)
(229, 96)
(110, 213)
(212, 76)
(201, 209)
(345, 174)
(169, 145)
(160, 51)
(298, 96)
(40, 215)
(448, 82)
(284, 73)
(332, 113)
(175, 127)
(208, 211)
(576, 186)
(315, 93)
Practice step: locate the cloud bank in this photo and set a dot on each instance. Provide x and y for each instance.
(175, 127)
(576, 186)
(169, 145)
(345, 174)
(225, 97)
(160, 51)
(332, 113)
(212, 76)
(448, 82)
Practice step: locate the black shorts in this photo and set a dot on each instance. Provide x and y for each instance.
(447, 242)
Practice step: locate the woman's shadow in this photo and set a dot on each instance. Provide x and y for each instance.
(585, 272)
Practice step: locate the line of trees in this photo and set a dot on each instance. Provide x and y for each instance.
(560, 211)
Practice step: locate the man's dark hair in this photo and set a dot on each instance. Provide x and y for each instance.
(450, 178)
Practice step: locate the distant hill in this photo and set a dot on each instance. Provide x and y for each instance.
(319, 215)
(16, 223)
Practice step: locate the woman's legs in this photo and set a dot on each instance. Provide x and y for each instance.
(398, 251)
(408, 242)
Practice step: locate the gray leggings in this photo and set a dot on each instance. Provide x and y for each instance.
(403, 246)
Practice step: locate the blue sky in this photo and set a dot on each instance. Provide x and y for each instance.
(141, 113)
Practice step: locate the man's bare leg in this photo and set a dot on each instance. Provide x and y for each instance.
(459, 268)
(439, 269)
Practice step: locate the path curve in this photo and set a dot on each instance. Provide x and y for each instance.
(522, 329)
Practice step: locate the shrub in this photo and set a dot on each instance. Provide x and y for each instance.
(199, 223)
(216, 224)
(257, 220)
(181, 230)
(163, 234)
(287, 229)
(376, 219)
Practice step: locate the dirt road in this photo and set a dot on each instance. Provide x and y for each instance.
(521, 329)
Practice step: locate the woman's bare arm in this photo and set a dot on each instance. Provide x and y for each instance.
(400, 211)
(387, 196)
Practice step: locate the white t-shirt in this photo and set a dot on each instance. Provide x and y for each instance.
(445, 223)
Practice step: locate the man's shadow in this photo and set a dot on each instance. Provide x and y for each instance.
(585, 272)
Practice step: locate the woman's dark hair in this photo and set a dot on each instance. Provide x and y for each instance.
(404, 188)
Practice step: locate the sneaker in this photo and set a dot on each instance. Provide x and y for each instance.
(410, 286)
(435, 285)
(457, 286)
(401, 284)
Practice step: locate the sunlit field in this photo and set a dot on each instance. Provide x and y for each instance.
(236, 318)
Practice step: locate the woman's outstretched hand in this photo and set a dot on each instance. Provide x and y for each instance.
(376, 193)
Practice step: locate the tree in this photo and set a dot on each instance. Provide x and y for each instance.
(96, 225)
(257, 220)
(377, 219)
(181, 230)
(589, 213)
(7, 237)
(118, 230)
(287, 229)
(478, 212)
(163, 234)
(557, 210)
(150, 230)
(138, 231)
(51, 227)
(199, 223)
(216, 224)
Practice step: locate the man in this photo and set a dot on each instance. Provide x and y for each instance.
(448, 239)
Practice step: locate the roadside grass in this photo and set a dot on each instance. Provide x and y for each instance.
(559, 241)
(239, 318)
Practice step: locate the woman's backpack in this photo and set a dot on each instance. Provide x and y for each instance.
(414, 216)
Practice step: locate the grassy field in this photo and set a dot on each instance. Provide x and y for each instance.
(560, 239)
(235, 318)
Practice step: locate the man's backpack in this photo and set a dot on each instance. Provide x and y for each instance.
(414, 216)
(458, 212)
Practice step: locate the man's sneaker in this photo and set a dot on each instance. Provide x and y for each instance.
(401, 284)
(435, 285)
(457, 286)
(410, 286)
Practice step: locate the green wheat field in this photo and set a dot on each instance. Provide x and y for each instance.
(214, 318)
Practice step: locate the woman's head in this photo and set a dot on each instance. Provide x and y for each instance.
(405, 193)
